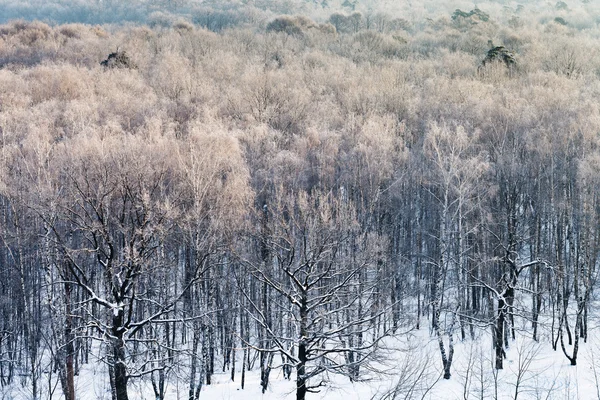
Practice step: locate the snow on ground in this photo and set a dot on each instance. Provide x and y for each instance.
(531, 371)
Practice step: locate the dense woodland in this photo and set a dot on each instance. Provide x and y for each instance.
(240, 190)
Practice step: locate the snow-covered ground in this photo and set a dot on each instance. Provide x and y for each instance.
(531, 371)
(413, 367)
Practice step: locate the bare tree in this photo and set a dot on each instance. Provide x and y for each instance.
(323, 273)
(415, 378)
(456, 172)
(523, 369)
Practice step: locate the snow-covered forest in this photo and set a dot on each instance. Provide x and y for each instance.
(299, 199)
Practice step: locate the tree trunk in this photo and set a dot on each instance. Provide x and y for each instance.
(301, 379)
(194, 360)
(119, 367)
(69, 387)
(499, 334)
(301, 372)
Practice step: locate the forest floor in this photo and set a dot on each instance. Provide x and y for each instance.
(409, 365)
(532, 370)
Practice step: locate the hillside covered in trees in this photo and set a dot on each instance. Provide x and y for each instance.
(313, 191)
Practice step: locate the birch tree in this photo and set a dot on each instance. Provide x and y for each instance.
(456, 174)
